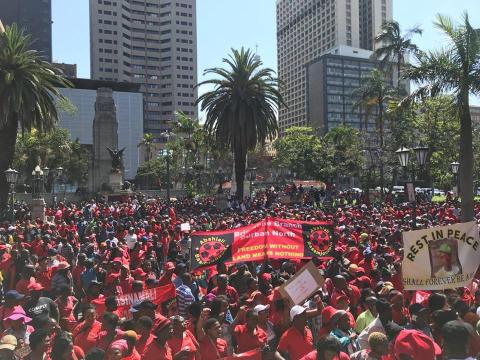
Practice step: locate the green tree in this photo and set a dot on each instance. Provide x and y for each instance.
(28, 89)
(52, 149)
(299, 151)
(436, 124)
(241, 110)
(342, 147)
(453, 69)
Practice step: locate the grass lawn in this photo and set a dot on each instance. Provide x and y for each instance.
(439, 198)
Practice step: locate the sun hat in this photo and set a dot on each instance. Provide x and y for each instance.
(8, 342)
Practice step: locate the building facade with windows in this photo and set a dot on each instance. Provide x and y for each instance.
(152, 43)
(35, 16)
(306, 29)
(129, 111)
(331, 82)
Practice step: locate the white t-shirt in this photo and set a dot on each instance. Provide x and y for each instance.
(131, 240)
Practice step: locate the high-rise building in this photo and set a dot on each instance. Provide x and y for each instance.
(372, 14)
(69, 70)
(35, 16)
(306, 29)
(475, 115)
(152, 43)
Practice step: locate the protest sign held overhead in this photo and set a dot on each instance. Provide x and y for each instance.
(441, 257)
(270, 238)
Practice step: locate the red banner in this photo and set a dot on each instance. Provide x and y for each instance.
(163, 296)
(271, 238)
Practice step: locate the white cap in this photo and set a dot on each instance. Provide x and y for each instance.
(259, 308)
(296, 310)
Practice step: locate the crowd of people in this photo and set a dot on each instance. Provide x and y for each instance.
(56, 272)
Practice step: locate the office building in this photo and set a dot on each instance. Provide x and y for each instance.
(151, 43)
(331, 80)
(475, 115)
(306, 29)
(129, 110)
(35, 16)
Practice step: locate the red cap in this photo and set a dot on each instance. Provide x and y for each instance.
(417, 345)
(169, 266)
(34, 286)
(117, 259)
(266, 276)
(162, 323)
(327, 313)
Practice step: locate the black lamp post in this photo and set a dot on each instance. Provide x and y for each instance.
(403, 154)
(252, 175)
(455, 166)
(12, 177)
(38, 179)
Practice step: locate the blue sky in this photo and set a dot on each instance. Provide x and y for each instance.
(223, 24)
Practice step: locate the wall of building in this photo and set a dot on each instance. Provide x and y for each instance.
(152, 43)
(35, 16)
(307, 29)
(129, 107)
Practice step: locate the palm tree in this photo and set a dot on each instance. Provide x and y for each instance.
(453, 69)
(241, 109)
(395, 46)
(147, 142)
(28, 93)
(374, 92)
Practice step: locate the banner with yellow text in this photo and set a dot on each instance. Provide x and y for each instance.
(270, 238)
(440, 258)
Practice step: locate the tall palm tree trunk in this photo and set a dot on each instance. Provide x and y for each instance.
(8, 138)
(240, 163)
(466, 156)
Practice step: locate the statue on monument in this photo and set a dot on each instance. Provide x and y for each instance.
(116, 156)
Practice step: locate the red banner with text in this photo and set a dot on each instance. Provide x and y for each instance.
(270, 238)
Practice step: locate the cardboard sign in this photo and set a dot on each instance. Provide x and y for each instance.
(443, 257)
(185, 227)
(301, 286)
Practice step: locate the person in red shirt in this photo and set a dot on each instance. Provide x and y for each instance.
(109, 332)
(27, 279)
(182, 339)
(212, 346)
(297, 341)
(66, 303)
(328, 348)
(85, 334)
(224, 289)
(249, 336)
(158, 348)
(166, 278)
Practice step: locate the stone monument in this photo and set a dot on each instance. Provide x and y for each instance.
(105, 139)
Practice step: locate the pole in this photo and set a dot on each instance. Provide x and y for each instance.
(415, 200)
(168, 178)
(12, 205)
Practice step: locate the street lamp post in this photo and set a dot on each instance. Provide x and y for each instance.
(403, 154)
(167, 134)
(252, 175)
(12, 177)
(455, 166)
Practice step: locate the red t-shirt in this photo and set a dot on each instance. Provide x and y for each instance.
(86, 338)
(295, 343)
(177, 344)
(211, 351)
(154, 352)
(247, 340)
